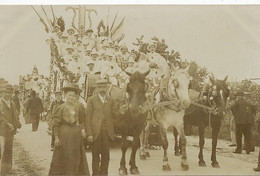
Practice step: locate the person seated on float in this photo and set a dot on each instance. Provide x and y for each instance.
(89, 39)
(71, 37)
(101, 36)
(131, 67)
(68, 56)
(110, 69)
(94, 55)
(117, 48)
(75, 66)
(157, 61)
(104, 46)
(110, 43)
(78, 47)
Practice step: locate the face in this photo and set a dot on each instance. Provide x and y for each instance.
(89, 34)
(71, 32)
(70, 52)
(102, 90)
(64, 40)
(91, 67)
(152, 49)
(116, 49)
(123, 52)
(8, 94)
(94, 57)
(59, 34)
(130, 64)
(70, 96)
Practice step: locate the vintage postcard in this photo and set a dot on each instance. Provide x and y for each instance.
(129, 89)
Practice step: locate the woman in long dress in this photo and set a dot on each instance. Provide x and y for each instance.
(69, 156)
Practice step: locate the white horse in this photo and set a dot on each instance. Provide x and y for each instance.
(169, 111)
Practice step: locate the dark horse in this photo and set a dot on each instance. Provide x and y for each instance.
(134, 119)
(215, 96)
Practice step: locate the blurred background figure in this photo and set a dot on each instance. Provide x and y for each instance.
(34, 108)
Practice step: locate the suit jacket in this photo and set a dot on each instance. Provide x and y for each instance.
(34, 106)
(98, 113)
(8, 115)
(243, 111)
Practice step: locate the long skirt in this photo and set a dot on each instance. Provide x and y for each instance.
(70, 157)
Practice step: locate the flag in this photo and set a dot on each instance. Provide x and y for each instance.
(117, 33)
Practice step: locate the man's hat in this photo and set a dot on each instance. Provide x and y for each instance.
(89, 30)
(71, 29)
(69, 48)
(70, 87)
(90, 62)
(151, 44)
(102, 82)
(76, 55)
(124, 47)
(94, 51)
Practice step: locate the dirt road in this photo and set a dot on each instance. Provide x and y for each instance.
(34, 147)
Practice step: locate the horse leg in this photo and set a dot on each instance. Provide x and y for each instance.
(133, 168)
(163, 132)
(184, 163)
(144, 153)
(176, 146)
(215, 131)
(201, 144)
(123, 169)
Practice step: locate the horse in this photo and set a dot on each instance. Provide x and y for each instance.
(133, 121)
(209, 111)
(169, 111)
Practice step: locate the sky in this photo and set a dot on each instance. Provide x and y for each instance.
(225, 39)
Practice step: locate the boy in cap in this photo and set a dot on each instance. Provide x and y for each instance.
(75, 65)
(89, 39)
(71, 37)
(68, 57)
(54, 105)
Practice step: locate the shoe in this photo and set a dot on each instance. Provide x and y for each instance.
(232, 145)
(257, 169)
(237, 152)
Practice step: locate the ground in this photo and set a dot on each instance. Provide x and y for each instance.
(32, 156)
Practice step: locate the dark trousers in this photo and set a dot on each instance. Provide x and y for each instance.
(259, 159)
(243, 129)
(35, 121)
(7, 156)
(101, 148)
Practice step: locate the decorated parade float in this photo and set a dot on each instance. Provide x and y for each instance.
(34, 81)
(82, 53)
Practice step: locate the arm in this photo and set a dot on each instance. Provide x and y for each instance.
(88, 117)
(56, 122)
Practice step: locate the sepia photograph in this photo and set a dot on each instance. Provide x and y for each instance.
(129, 89)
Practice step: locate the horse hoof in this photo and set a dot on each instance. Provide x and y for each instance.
(202, 164)
(122, 171)
(143, 157)
(215, 165)
(177, 153)
(185, 167)
(135, 171)
(166, 167)
(147, 154)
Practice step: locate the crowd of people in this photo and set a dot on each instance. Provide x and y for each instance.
(98, 54)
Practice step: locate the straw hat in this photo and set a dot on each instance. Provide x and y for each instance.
(70, 87)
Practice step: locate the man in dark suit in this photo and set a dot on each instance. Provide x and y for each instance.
(10, 122)
(34, 108)
(243, 113)
(58, 101)
(99, 127)
(15, 99)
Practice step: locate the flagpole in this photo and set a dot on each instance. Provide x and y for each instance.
(49, 21)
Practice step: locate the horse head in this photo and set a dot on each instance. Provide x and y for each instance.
(218, 94)
(136, 89)
(178, 86)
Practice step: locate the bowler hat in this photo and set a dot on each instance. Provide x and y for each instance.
(70, 87)
(102, 82)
